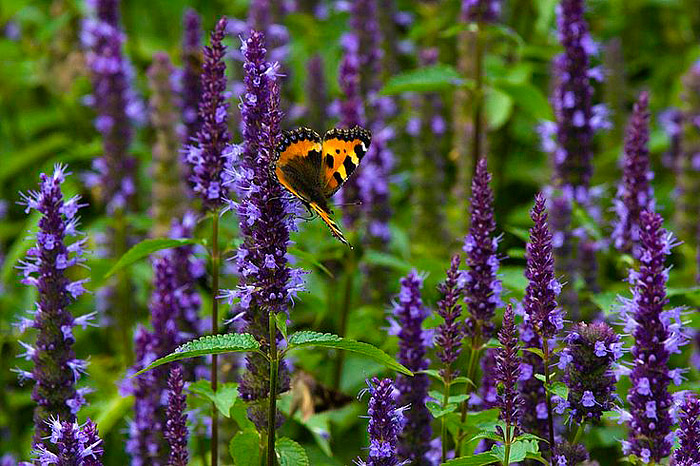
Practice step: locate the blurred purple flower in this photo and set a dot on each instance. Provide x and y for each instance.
(191, 75)
(588, 358)
(483, 289)
(176, 424)
(407, 316)
(688, 432)
(74, 444)
(532, 390)
(316, 92)
(657, 333)
(482, 11)
(115, 102)
(385, 421)
(47, 267)
(634, 193)
(207, 155)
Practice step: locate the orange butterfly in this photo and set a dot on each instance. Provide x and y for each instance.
(314, 169)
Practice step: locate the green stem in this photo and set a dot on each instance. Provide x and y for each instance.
(215, 330)
(470, 385)
(443, 430)
(124, 316)
(344, 313)
(272, 410)
(550, 418)
(508, 441)
(579, 433)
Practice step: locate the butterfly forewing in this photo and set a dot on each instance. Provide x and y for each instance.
(343, 149)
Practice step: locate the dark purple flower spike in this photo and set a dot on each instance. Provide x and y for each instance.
(507, 371)
(385, 421)
(176, 424)
(688, 432)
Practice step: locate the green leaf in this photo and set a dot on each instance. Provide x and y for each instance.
(498, 107)
(438, 411)
(529, 98)
(328, 340)
(560, 389)
(440, 397)
(386, 260)
(492, 343)
(487, 434)
(433, 78)
(536, 456)
(146, 248)
(210, 344)
(518, 451)
(224, 398)
(476, 460)
(526, 436)
(605, 301)
(281, 320)
(536, 351)
(290, 453)
(245, 448)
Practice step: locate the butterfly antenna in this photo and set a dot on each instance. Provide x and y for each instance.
(349, 204)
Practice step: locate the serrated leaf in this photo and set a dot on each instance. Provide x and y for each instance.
(476, 460)
(146, 248)
(290, 453)
(210, 344)
(438, 411)
(433, 78)
(224, 398)
(328, 340)
(488, 435)
(245, 448)
(440, 397)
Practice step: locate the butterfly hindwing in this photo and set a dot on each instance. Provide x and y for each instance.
(342, 152)
(298, 163)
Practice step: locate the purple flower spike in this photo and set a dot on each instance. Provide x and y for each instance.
(657, 333)
(688, 433)
(316, 93)
(176, 425)
(450, 332)
(590, 352)
(481, 11)
(483, 289)
(74, 445)
(46, 268)
(207, 155)
(507, 371)
(634, 193)
(572, 98)
(267, 283)
(192, 70)
(384, 424)
(116, 104)
(410, 313)
(540, 302)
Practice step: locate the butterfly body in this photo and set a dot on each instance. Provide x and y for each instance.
(314, 169)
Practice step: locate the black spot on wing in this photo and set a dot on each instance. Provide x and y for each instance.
(339, 179)
(330, 161)
(360, 151)
(315, 157)
(349, 166)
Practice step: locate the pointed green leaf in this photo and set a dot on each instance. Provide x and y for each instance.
(290, 453)
(476, 460)
(536, 351)
(146, 248)
(427, 79)
(560, 389)
(245, 448)
(536, 456)
(328, 340)
(210, 344)
(487, 434)
(438, 411)
(224, 398)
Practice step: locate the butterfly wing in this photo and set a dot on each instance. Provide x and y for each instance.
(342, 151)
(298, 165)
(299, 169)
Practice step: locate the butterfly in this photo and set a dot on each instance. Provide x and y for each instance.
(314, 169)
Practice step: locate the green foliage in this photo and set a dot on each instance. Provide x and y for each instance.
(428, 79)
(290, 453)
(145, 248)
(244, 448)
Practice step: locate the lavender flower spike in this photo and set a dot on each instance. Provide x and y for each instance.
(657, 334)
(450, 332)
(207, 155)
(410, 313)
(482, 289)
(176, 424)
(384, 425)
(192, 70)
(634, 193)
(540, 302)
(688, 433)
(45, 268)
(508, 371)
(267, 283)
(590, 352)
(73, 444)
